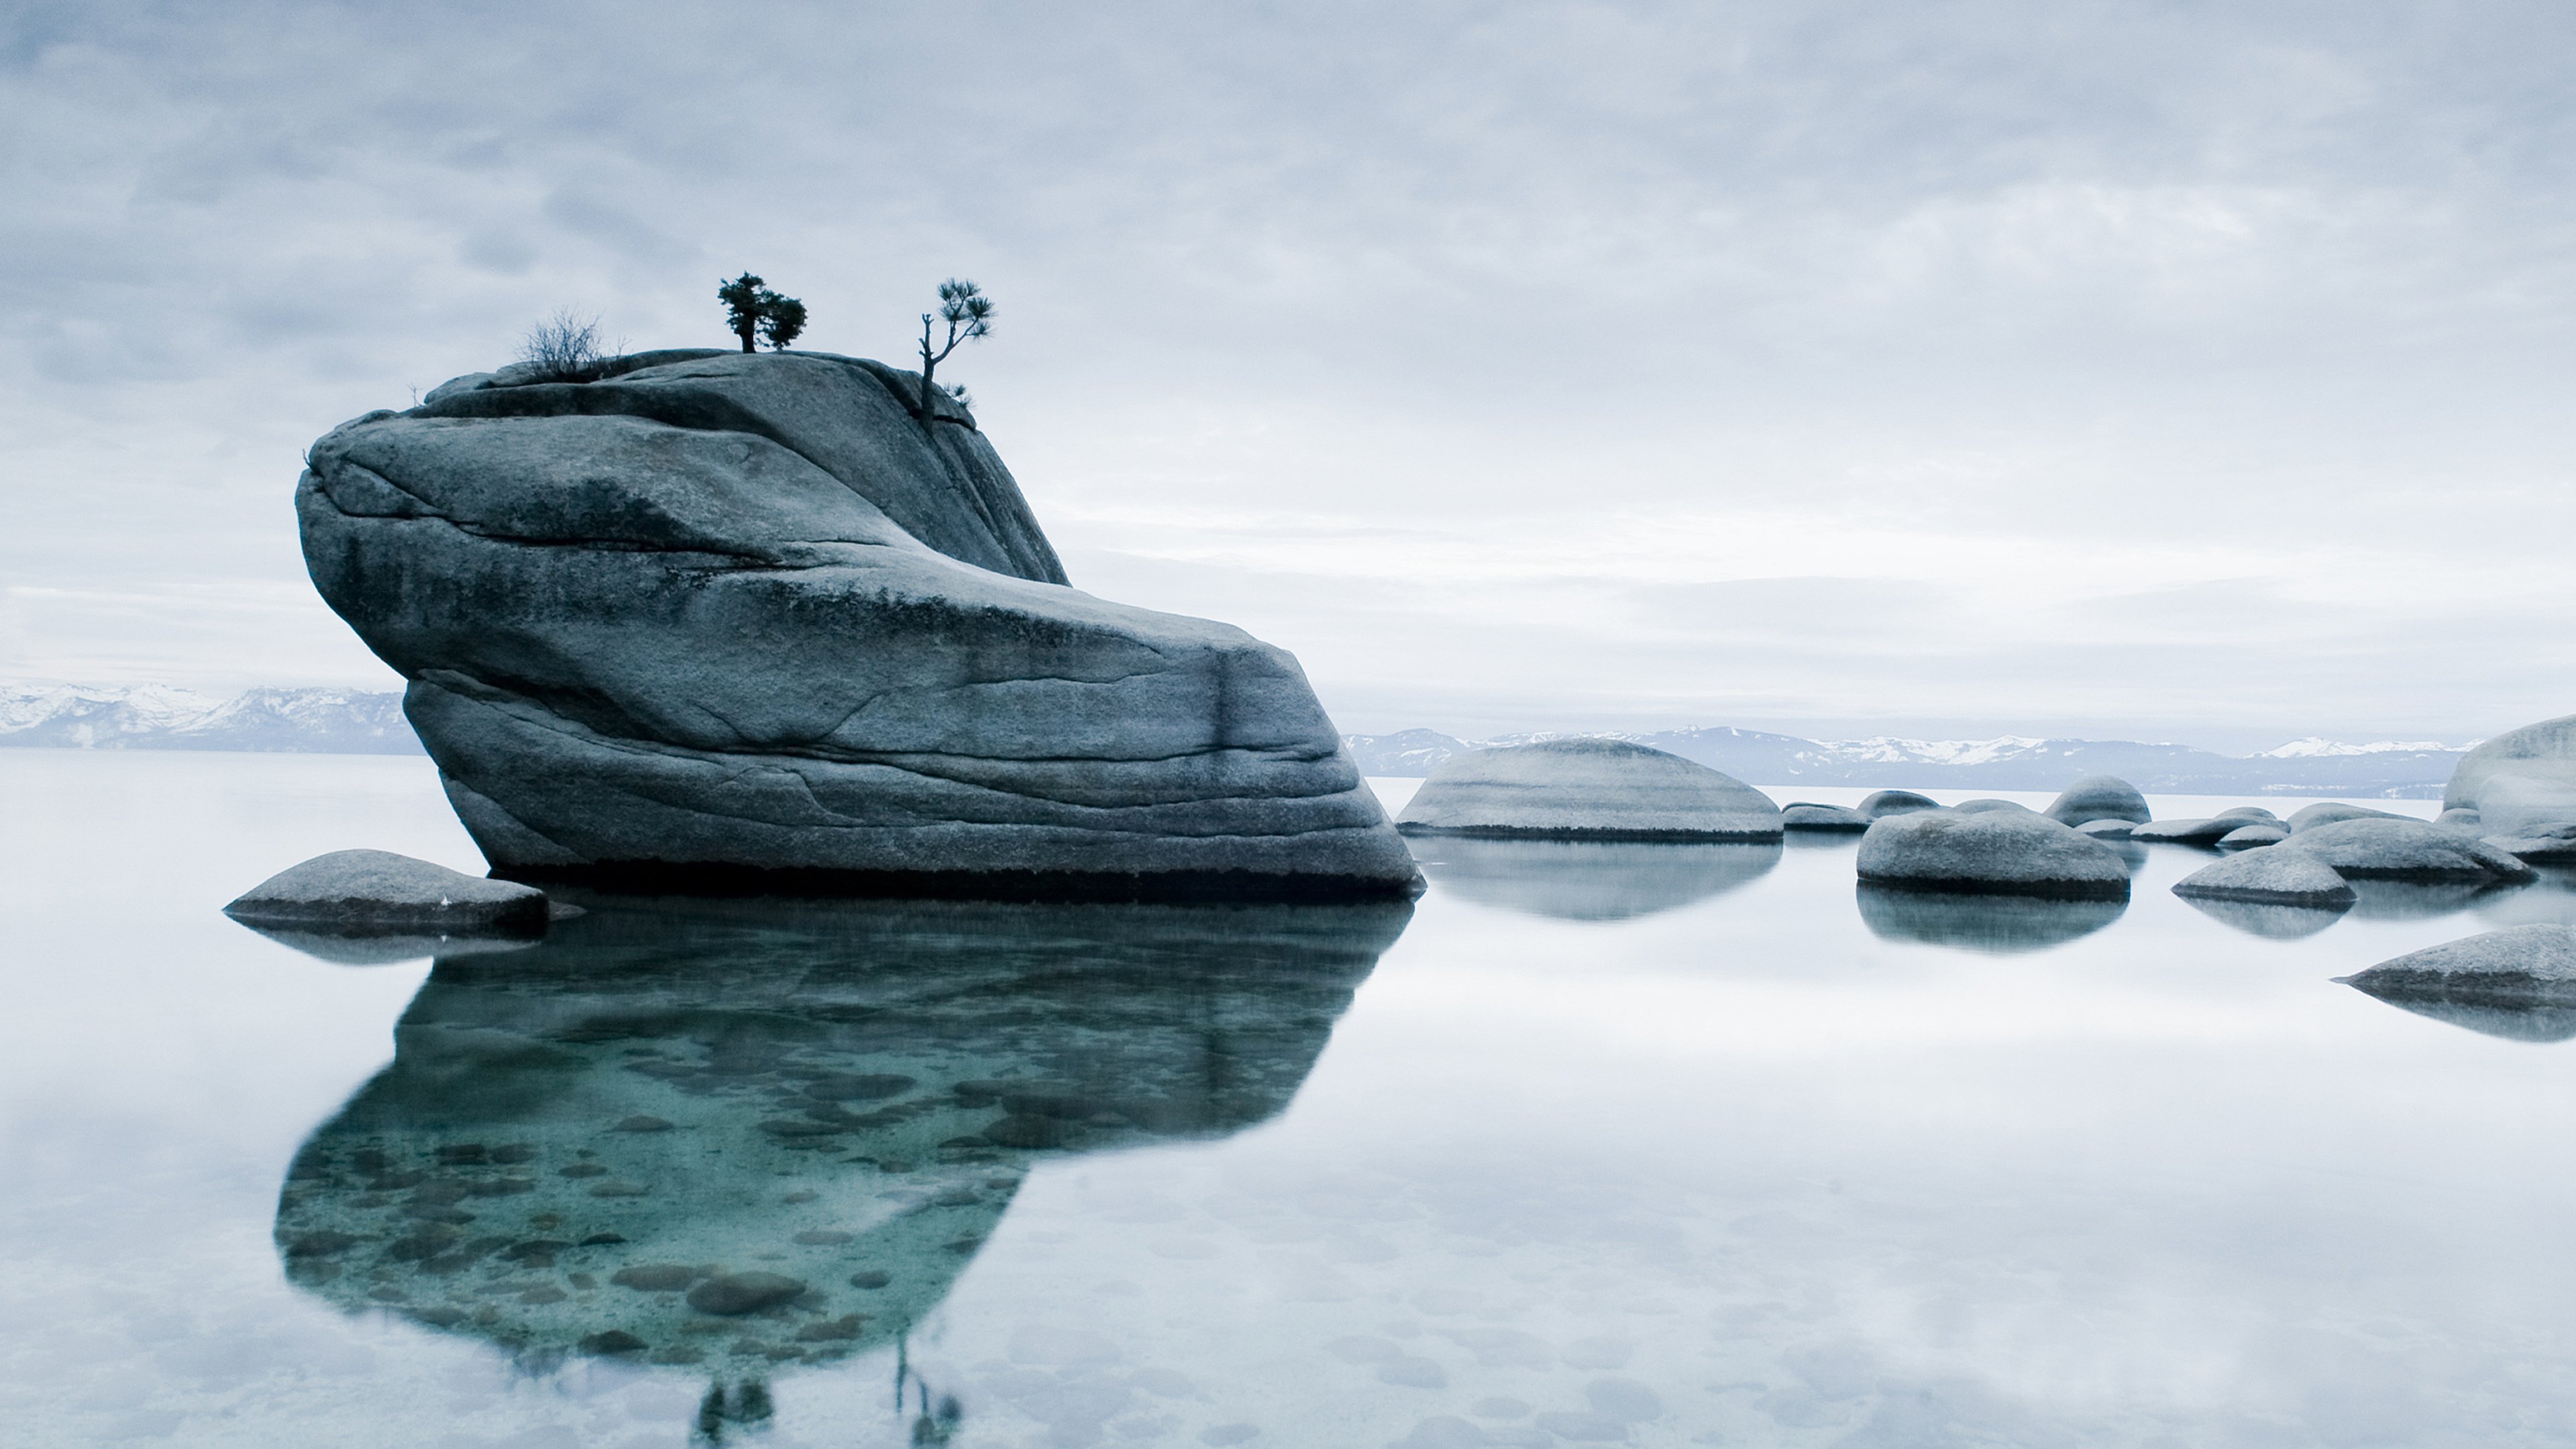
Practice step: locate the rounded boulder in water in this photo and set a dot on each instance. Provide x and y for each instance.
(2249, 837)
(2275, 877)
(1587, 789)
(2327, 812)
(1807, 815)
(2187, 832)
(2011, 852)
(372, 892)
(1895, 802)
(2099, 797)
(2519, 965)
(2404, 850)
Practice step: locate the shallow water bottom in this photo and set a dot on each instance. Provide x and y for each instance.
(1641, 1145)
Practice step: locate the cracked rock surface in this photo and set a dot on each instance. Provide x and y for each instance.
(716, 620)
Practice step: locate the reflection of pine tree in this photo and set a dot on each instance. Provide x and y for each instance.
(748, 1406)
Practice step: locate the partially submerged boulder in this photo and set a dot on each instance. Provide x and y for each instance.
(2521, 804)
(1807, 815)
(2107, 829)
(2250, 837)
(728, 621)
(1587, 789)
(2468, 820)
(2403, 850)
(2245, 812)
(2187, 832)
(2327, 812)
(2518, 966)
(379, 893)
(2276, 877)
(2099, 797)
(1895, 802)
(2009, 852)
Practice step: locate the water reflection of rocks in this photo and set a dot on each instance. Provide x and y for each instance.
(732, 1137)
(2002, 924)
(1590, 880)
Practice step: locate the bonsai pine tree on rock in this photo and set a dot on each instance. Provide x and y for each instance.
(969, 315)
(752, 310)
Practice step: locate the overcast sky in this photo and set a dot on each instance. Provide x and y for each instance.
(2170, 371)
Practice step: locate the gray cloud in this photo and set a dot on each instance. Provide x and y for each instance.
(2151, 368)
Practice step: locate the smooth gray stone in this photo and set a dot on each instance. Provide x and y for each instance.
(2327, 812)
(1591, 880)
(2249, 837)
(1982, 921)
(1984, 805)
(2468, 820)
(2016, 851)
(2099, 797)
(2545, 752)
(2518, 966)
(2186, 832)
(2404, 850)
(1895, 802)
(2112, 828)
(2276, 877)
(731, 621)
(376, 892)
(2543, 845)
(1587, 789)
(2245, 812)
(1807, 815)
(2271, 922)
(2511, 802)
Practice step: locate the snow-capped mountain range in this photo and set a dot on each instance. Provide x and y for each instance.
(2394, 769)
(346, 721)
(158, 717)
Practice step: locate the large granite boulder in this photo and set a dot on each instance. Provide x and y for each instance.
(2254, 836)
(2099, 797)
(2404, 850)
(2543, 752)
(1587, 789)
(719, 620)
(2005, 852)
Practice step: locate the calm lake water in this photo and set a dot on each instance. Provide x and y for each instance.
(1627, 1144)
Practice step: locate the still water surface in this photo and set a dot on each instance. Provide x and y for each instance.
(1623, 1144)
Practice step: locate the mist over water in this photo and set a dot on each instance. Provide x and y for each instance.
(1713, 1146)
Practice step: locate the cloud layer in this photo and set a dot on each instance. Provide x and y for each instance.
(2190, 370)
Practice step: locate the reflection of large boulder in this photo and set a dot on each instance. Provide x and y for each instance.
(718, 614)
(1591, 880)
(1587, 789)
(2002, 924)
(747, 1137)
(2010, 851)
